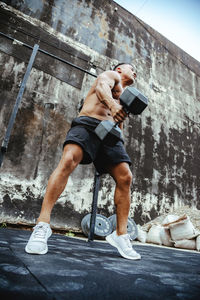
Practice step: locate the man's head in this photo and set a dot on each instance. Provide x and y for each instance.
(127, 72)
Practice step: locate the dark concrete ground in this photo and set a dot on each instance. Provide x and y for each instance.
(76, 269)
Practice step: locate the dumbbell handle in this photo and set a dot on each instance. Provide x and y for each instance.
(126, 111)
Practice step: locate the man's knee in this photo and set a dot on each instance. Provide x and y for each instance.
(68, 161)
(124, 177)
(72, 155)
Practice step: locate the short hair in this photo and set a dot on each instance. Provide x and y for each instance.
(123, 63)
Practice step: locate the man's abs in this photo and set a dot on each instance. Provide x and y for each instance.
(92, 107)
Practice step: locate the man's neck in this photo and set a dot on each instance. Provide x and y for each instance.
(125, 82)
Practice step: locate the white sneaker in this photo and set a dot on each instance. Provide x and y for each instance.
(37, 243)
(123, 244)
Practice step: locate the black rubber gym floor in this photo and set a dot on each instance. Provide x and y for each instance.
(76, 269)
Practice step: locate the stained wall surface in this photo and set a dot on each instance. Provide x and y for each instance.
(163, 142)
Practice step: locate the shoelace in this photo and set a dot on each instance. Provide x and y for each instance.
(40, 231)
(127, 238)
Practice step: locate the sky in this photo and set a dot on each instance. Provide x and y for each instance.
(177, 20)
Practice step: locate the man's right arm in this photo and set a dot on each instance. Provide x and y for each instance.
(105, 83)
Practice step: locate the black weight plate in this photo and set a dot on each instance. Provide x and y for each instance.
(131, 226)
(102, 228)
(85, 224)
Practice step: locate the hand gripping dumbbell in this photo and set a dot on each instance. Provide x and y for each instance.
(133, 102)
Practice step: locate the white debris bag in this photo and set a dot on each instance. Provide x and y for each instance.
(142, 235)
(186, 244)
(153, 236)
(169, 219)
(165, 237)
(182, 229)
(198, 243)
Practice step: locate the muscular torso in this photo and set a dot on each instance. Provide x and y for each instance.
(93, 107)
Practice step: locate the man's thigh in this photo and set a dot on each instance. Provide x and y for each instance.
(111, 156)
(86, 139)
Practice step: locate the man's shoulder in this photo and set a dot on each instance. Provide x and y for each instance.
(110, 74)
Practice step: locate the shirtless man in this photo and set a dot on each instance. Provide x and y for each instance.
(83, 146)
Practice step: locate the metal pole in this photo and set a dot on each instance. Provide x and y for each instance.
(94, 206)
(51, 55)
(17, 103)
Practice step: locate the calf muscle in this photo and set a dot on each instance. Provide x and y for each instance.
(123, 178)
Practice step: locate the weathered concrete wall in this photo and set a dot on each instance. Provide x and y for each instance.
(163, 142)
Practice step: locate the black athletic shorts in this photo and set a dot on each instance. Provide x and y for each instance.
(95, 150)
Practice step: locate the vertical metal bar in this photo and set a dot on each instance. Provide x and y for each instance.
(94, 206)
(17, 103)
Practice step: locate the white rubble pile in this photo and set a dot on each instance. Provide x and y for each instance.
(172, 231)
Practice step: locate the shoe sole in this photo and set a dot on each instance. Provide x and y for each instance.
(112, 243)
(34, 252)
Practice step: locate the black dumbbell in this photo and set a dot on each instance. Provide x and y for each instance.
(133, 102)
(109, 131)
